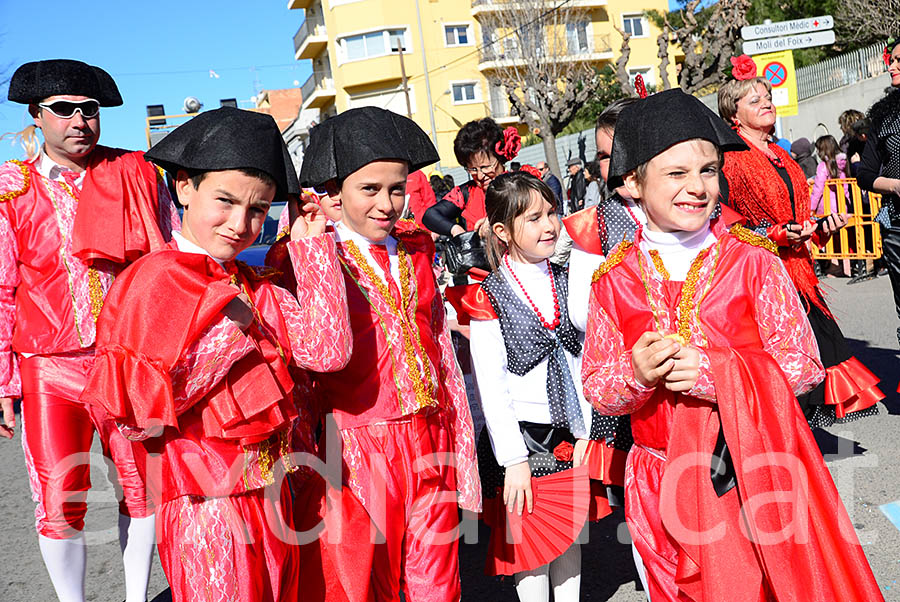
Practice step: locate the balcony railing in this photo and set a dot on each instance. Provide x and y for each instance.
(318, 81)
(308, 28)
(500, 109)
(491, 5)
(573, 51)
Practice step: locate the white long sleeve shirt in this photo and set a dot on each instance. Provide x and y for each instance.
(507, 398)
(582, 266)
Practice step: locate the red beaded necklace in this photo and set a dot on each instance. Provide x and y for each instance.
(527, 296)
(631, 213)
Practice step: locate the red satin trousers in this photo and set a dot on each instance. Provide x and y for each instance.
(57, 433)
(408, 485)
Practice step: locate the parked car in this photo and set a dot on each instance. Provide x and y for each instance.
(256, 253)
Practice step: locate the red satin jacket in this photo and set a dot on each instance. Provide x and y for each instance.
(376, 386)
(117, 220)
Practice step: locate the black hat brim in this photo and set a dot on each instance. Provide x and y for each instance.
(351, 140)
(38, 80)
(650, 126)
(228, 138)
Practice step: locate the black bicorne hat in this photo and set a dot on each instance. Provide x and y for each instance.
(649, 126)
(346, 142)
(228, 138)
(35, 81)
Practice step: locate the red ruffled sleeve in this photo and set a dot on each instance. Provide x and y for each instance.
(152, 313)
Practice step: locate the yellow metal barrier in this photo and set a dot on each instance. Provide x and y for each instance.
(861, 238)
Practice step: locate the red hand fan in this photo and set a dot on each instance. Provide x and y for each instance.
(523, 543)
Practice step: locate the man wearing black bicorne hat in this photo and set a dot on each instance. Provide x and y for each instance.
(72, 216)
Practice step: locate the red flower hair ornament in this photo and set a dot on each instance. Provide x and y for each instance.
(511, 144)
(530, 169)
(888, 48)
(743, 67)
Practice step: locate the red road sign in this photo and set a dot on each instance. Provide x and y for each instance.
(775, 73)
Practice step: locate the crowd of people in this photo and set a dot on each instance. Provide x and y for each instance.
(303, 430)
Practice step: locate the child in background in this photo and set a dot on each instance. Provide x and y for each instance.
(832, 165)
(193, 357)
(527, 358)
(696, 331)
(596, 230)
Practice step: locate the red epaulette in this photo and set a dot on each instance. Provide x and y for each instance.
(15, 179)
(583, 228)
(470, 301)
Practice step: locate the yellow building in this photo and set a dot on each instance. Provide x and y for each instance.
(448, 49)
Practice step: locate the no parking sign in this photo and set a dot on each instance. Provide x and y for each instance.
(778, 68)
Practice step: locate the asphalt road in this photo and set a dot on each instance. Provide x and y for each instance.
(863, 457)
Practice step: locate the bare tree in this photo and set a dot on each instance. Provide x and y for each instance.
(662, 41)
(708, 42)
(867, 21)
(541, 56)
(622, 64)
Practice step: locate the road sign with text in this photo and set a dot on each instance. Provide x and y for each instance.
(787, 28)
(805, 40)
(778, 68)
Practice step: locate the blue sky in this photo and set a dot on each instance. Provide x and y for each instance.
(158, 53)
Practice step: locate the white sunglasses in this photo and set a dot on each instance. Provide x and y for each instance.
(65, 109)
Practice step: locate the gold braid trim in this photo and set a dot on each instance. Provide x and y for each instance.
(687, 307)
(659, 265)
(266, 461)
(686, 304)
(614, 259)
(26, 183)
(284, 232)
(96, 292)
(750, 237)
(258, 272)
(68, 190)
(422, 384)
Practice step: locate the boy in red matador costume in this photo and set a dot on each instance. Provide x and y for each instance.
(696, 331)
(194, 350)
(71, 218)
(400, 405)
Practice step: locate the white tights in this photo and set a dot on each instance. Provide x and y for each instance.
(137, 536)
(66, 560)
(564, 574)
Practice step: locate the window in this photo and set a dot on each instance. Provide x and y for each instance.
(647, 73)
(397, 38)
(499, 102)
(372, 44)
(531, 38)
(456, 35)
(465, 92)
(577, 37)
(636, 25)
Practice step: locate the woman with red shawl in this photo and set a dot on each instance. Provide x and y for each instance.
(769, 188)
